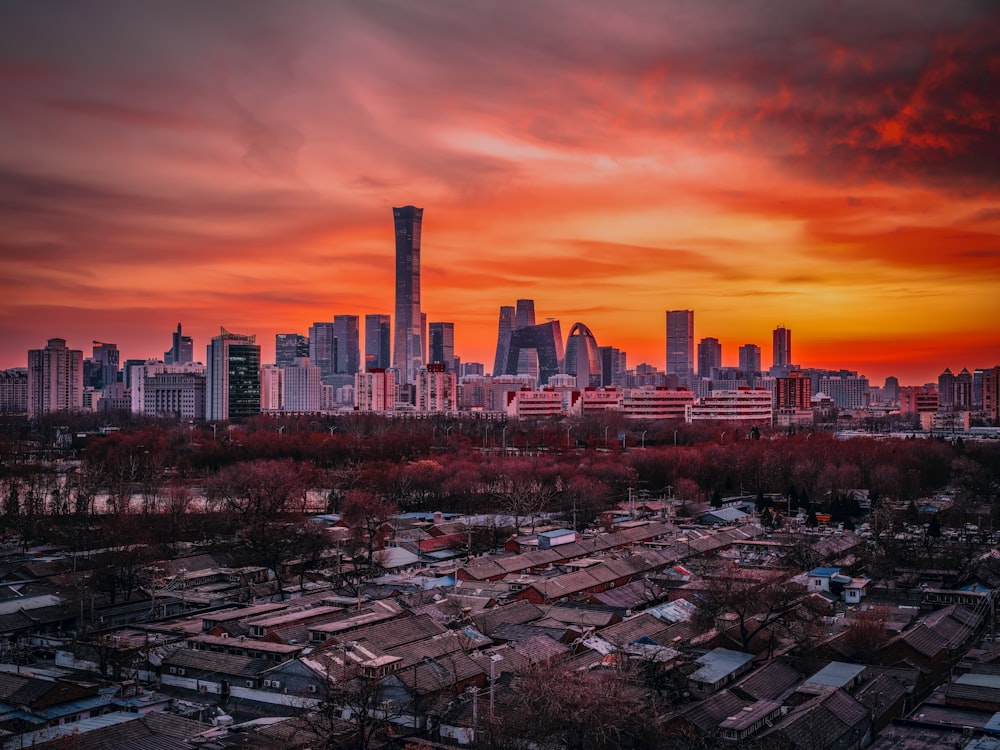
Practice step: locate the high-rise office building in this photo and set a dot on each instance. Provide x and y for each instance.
(891, 388)
(232, 377)
(946, 388)
(537, 351)
(524, 315)
(680, 345)
(288, 347)
(181, 350)
(782, 351)
(750, 358)
(303, 387)
(106, 362)
(321, 349)
(378, 341)
(709, 356)
(963, 390)
(55, 379)
(750, 362)
(614, 366)
(346, 345)
(991, 393)
(272, 388)
(442, 345)
(583, 357)
(504, 330)
(408, 341)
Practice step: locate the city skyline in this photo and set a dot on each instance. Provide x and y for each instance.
(832, 169)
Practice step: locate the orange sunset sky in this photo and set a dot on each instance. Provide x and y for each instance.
(830, 166)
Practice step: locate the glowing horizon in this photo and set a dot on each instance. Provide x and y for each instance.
(831, 171)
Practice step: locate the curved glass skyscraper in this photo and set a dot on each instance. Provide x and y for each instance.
(583, 357)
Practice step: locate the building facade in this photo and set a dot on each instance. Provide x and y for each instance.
(583, 357)
(745, 405)
(505, 327)
(181, 350)
(436, 389)
(442, 345)
(232, 377)
(378, 341)
(346, 346)
(991, 393)
(288, 347)
(55, 379)
(782, 349)
(408, 341)
(303, 387)
(750, 361)
(180, 395)
(680, 345)
(709, 356)
(321, 348)
(847, 391)
(658, 403)
(14, 391)
(272, 388)
(536, 351)
(531, 404)
(375, 390)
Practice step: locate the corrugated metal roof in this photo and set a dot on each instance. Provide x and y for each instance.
(718, 663)
(837, 674)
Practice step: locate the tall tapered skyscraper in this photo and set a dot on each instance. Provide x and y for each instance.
(408, 349)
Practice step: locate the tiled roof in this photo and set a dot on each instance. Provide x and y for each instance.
(640, 626)
(924, 640)
(209, 661)
(517, 612)
(709, 713)
(770, 681)
(540, 648)
(387, 635)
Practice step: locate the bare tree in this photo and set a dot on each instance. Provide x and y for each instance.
(755, 603)
(367, 516)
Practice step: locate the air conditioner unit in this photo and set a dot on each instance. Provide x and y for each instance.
(312, 688)
(276, 683)
(267, 683)
(224, 635)
(249, 683)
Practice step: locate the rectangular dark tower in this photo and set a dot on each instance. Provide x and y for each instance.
(407, 350)
(680, 345)
(378, 338)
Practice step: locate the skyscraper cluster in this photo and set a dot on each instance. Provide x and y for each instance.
(408, 363)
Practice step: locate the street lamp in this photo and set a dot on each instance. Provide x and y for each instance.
(605, 436)
(643, 439)
(568, 443)
(675, 436)
(503, 435)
